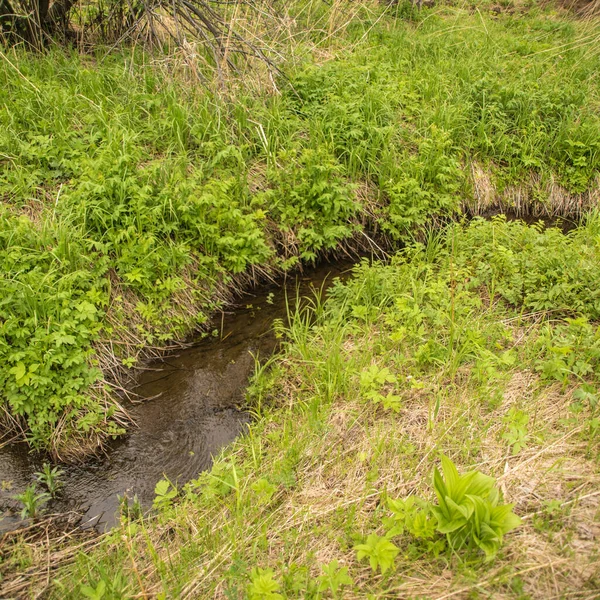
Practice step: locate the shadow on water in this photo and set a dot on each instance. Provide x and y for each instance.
(192, 411)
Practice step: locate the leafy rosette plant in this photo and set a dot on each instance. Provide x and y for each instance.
(469, 512)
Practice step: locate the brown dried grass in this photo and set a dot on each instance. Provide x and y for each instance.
(537, 197)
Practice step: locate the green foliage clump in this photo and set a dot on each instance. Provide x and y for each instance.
(32, 501)
(537, 268)
(51, 478)
(51, 309)
(468, 514)
(379, 550)
(164, 494)
(333, 577)
(263, 586)
(310, 198)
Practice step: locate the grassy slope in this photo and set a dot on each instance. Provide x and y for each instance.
(130, 198)
(481, 344)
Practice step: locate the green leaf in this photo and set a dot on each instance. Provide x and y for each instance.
(20, 373)
(96, 593)
(263, 586)
(162, 487)
(333, 577)
(380, 551)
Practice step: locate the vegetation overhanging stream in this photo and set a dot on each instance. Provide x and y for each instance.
(186, 406)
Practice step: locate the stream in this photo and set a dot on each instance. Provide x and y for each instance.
(192, 411)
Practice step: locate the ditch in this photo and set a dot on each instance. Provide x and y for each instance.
(191, 407)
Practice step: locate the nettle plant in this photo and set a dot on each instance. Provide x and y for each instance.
(51, 308)
(310, 198)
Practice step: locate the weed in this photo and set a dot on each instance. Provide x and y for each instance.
(51, 478)
(333, 577)
(94, 592)
(164, 493)
(468, 514)
(131, 509)
(32, 501)
(468, 510)
(263, 585)
(379, 550)
(264, 490)
(516, 429)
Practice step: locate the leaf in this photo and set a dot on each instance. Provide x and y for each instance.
(505, 518)
(263, 586)
(380, 551)
(164, 492)
(451, 476)
(333, 577)
(162, 487)
(480, 484)
(264, 490)
(87, 310)
(96, 593)
(19, 372)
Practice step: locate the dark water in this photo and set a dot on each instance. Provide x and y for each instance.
(193, 411)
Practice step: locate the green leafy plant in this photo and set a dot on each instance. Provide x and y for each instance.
(130, 509)
(375, 377)
(515, 432)
(333, 578)
(164, 493)
(32, 501)
(586, 394)
(413, 516)
(220, 481)
(96, 592)
(469, 512)
(379, 550)
(372, 380)
(51, 478)
(403, 512)
(263, 585)
(264, 490)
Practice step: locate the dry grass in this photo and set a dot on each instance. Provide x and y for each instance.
(556, 562)
(582, 8)
(38, 549)
(543, 198)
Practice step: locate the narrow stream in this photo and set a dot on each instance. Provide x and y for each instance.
(192, 411)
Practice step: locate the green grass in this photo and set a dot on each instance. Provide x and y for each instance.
(132, 199)
(490, 357)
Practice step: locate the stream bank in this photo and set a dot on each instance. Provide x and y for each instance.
(193, 407)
